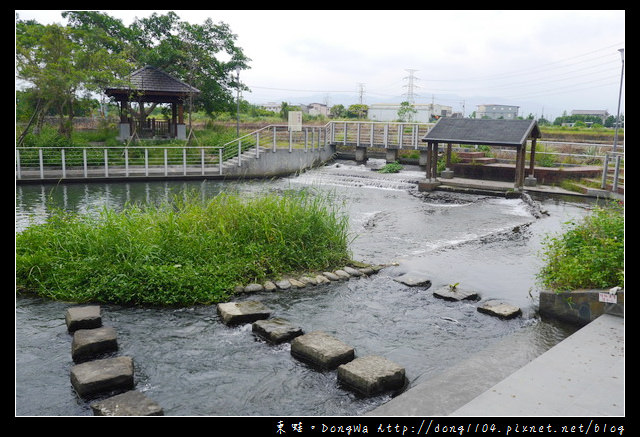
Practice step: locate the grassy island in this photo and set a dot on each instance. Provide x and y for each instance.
(182, 252)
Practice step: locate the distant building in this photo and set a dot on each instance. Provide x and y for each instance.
(316, 109)
(425, 112)
(495, 111)
(271, 106)
(602, 114)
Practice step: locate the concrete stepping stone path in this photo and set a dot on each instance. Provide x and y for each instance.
(371, 375)
(276, 330)
(500, 310)
(88, 343)
(321, 350)
(83, 317)
(234, 313)
(129, 403)
(99, 376)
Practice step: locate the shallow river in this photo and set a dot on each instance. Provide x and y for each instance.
(192, 365)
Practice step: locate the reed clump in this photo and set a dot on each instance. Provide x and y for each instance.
(185, 251)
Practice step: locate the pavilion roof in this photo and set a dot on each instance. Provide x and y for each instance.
(482, 131)
(153, 84)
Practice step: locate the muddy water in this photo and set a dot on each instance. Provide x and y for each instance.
(193, 365)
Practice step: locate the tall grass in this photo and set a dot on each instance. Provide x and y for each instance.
(588, 254)
(182, 252)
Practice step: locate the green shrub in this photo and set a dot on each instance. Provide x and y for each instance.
(589, 254)
(392, 167)
(182, 252)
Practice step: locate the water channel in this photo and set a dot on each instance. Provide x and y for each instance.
(192, 365)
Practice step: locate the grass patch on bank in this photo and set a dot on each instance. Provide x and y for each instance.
(182, 252)
(588, 254)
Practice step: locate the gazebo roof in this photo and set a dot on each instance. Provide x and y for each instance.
(482, 131)
(153, 85)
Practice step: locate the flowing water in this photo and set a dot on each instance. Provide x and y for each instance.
(193, 365)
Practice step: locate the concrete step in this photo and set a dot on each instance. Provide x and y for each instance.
(90, 343)
(321, 350)
(102, 376)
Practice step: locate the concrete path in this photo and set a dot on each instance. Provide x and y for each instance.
(581, 376)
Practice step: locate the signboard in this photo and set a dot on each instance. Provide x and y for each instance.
(295, 121)
(607, 297)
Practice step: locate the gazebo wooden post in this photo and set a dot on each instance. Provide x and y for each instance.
(448, 156)
(518, 171)
(532, 157)
(434, 162)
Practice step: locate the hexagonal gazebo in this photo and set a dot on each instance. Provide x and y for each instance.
(152, 85)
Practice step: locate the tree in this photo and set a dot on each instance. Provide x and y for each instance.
(62, 64)
(192, 53)
(406, 111)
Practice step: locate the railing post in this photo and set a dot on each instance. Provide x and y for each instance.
(400, 135)
(166, 169)
(386, 135)
(184, 161)
(64, 166)
(372, 134)
(616, 173)
(126, 162)
(605, 170)
(358, 134)
(220, 160)
(106, 163)
(84, 162)
(41, 164)
(18, 170)
(290, 141)
(239, 152)
(257, 145)
(146, 161)
(274, 137)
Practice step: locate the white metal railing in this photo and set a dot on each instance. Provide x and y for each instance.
(118, 161)
(611, 181)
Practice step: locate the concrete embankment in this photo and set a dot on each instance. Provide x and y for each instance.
(583, 375)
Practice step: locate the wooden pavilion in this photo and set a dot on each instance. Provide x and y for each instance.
(504, 133)
(152, 85)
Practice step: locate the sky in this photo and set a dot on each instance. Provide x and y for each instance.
(545, 61)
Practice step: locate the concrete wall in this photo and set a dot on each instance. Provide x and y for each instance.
(280, 163)
(579, 306)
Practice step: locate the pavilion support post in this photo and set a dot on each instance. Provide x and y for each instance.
(447, 173)
(434, 161)
(530, 180)
(181, 129)
(516, 182)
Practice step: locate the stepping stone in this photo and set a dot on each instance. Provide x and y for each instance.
(98, 376)
(367, 271)
(284, 284)
(269, 286)
(88, 343)
(414, 280)
(308, 280)
(276, 330)
(321, 350)
(456, 294)
(331, 276)
(85, 317)
(501, 310)
(371, 375)
(253, 288)
(296, 284)
(233, 313)
(322, 279)
(341, 274)
(130, 403)
(352, 272)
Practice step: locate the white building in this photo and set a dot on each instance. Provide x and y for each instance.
(425, 112)
(316, 109)
(272, 106)
(495, 111)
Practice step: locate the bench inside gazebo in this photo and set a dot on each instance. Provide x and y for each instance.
(154, 86)
(469, 131)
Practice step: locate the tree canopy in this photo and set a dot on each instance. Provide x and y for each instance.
(95, 50)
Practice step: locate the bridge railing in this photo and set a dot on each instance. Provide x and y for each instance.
(396, 135)
(118, 161)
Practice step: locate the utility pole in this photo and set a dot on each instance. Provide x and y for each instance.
(361, 93)
(410, 86)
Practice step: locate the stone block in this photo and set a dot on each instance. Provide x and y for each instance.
(233, 313)
(331, 276)
(130, 403)
(84, 317)
(371, 375)
(100, 376)
(283, 284)
(455, 294)
(414, 280)
(253, 288)
(321, 350)
(276, 330)
(88, 343)
(352, 272)
(341, 274)
(296, 284)
(501, 310)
